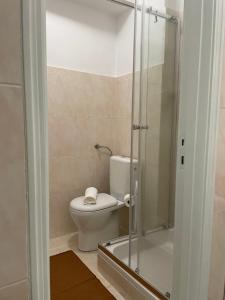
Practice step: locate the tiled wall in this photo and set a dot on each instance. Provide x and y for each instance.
(217, 278)
(84, 109)
(13, 204)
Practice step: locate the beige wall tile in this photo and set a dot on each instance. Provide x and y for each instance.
(102, 172)
(13, 250)
(219, 204)
(222, 103)
(13, 226)
(122, 103)
(84, 109)
(79, 94)
(68, 173)
(220, 170)
(69, 177)
(61, 222)
(217, 274)
(18, 291)
(10, 41)
(103, 131)
(59, 104)
(102, 94)
(13, 203)
(11, 123)
(121, 134)
(68, 93)
(156, 79)
(72, 136)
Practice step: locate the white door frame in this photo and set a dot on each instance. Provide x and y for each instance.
(34, 48)
(203, 34)
(202, 44)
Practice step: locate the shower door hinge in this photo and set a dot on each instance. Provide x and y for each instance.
(139, 127)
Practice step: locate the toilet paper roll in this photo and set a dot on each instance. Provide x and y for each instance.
(128, 201)
(90, 195)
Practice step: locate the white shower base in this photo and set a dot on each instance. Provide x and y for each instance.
(155, 259)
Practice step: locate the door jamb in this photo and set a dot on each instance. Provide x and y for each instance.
(34, 51)
(202, 52)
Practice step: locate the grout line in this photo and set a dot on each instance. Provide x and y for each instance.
(109, 76)
(7, 84)
(14, 283)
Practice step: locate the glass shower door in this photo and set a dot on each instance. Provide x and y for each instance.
(154, 145)
(134, 215)
(139, 125)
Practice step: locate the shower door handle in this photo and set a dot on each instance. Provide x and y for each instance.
(139, 127)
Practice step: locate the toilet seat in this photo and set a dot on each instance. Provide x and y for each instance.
(103, 201)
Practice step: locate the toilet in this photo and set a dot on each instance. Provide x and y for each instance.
(100, 222)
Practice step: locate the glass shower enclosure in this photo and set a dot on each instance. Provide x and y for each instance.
(148, 248)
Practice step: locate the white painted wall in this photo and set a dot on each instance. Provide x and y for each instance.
(86, 39)
(124, 43)
(176, 5)
(98, 38)
(80, 38)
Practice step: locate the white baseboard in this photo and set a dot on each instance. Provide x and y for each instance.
(62, 243)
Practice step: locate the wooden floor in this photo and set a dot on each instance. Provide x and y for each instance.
(72, 280)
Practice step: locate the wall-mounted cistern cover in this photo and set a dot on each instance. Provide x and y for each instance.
(120, 176)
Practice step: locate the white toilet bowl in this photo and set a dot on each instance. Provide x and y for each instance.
(97, 222)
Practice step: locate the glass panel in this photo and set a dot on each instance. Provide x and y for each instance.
(134, 214)
(157, 146)
(148, 249)
(154, 109)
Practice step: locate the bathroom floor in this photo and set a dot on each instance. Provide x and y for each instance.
(68, 242)
(71, 279)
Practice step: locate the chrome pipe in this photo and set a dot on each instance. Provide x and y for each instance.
(123, 2)
(163, 16)
(98, 147)
(153, 12)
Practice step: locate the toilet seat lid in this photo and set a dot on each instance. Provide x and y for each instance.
(103, 201)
